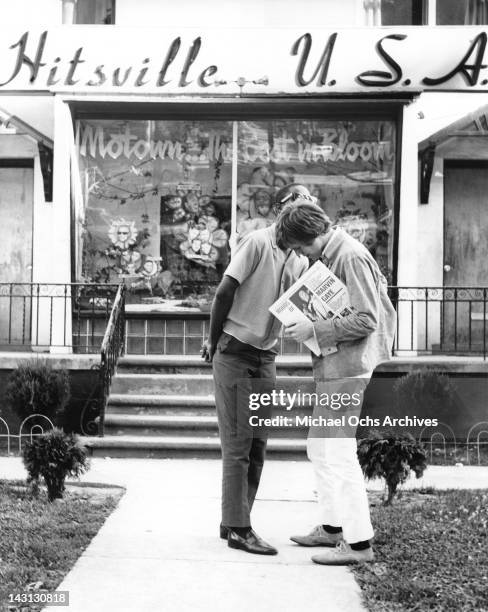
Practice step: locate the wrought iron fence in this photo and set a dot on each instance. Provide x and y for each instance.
(444, 447)
(41, 316)
(441, 320)
(56, 316)
(431, 321)
(113, 346)
(29, 428)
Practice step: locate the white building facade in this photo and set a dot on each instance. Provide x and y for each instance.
(141, 140)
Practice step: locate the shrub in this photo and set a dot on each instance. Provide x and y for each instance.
(426, 391)
(54, 456)
(391, 456)
(36, 388)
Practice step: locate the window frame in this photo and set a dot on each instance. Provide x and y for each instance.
(344, 108)
(372, 14)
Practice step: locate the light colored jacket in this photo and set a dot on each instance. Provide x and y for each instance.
(365, 338)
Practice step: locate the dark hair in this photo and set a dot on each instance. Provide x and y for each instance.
(300, 222)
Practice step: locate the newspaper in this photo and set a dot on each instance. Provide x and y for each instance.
(318, 294)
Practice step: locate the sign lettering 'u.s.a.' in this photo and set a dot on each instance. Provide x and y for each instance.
(152, 60)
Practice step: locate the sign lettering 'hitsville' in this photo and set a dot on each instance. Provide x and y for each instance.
(29, 63)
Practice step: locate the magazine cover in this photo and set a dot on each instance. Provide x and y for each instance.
(318, 294)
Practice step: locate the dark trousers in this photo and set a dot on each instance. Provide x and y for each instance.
(236, 366)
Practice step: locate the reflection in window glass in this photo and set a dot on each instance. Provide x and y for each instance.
(157, 200)
(349, 166)
(156, 195)
(401, 12)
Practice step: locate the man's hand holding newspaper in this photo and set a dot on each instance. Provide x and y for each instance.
(318, 294)
(300, 331)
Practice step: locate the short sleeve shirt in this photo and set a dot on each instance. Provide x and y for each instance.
(264, 272)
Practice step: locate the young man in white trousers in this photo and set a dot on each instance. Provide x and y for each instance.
(363, 339)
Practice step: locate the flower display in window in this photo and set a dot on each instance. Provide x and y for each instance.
(204, 238)
(122, 233)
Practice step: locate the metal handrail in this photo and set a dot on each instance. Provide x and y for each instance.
(113, 346)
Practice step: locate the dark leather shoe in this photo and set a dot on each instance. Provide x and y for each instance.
(251, 543)
(223, 531)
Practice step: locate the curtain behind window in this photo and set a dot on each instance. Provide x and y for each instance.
(94, 11)
(476, 12)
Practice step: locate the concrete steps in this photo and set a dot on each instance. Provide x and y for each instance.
(163, 406)
(188, 405)
(190, 384)
(185, 405)
(177, 447)
(176, 425)
(154, 384)
(193, 364)
(160, 425)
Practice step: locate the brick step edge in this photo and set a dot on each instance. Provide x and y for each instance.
(170, 421)
(195, 360)
(401, 363)
(129, 399)
(170, 442)
(135, 376)
(150, 420)
(133, 400)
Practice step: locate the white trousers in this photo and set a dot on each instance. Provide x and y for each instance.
(341, 489)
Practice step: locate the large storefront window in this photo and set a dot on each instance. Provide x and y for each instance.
(162, 200)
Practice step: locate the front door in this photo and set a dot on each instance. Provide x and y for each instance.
(465, 253)
(16, 212)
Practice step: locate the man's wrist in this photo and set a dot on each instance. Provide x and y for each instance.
(212, 340)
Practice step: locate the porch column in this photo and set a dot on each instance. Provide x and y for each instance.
(60, 244)
(408, 230)
(69, 11)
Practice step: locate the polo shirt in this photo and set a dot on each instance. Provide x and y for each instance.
(264, 272)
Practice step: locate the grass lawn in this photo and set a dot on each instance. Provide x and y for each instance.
(40, 542)
(432, 553)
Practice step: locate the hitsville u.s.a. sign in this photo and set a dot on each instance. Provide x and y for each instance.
(231, 61)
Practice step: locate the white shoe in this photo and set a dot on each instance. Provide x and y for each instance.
(318, 537)
(343, 554)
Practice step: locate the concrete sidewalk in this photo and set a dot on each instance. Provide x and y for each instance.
(160, 549)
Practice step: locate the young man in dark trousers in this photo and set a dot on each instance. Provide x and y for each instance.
(242, 347)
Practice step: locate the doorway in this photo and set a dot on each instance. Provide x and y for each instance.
(465, 253)
(16, 234)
